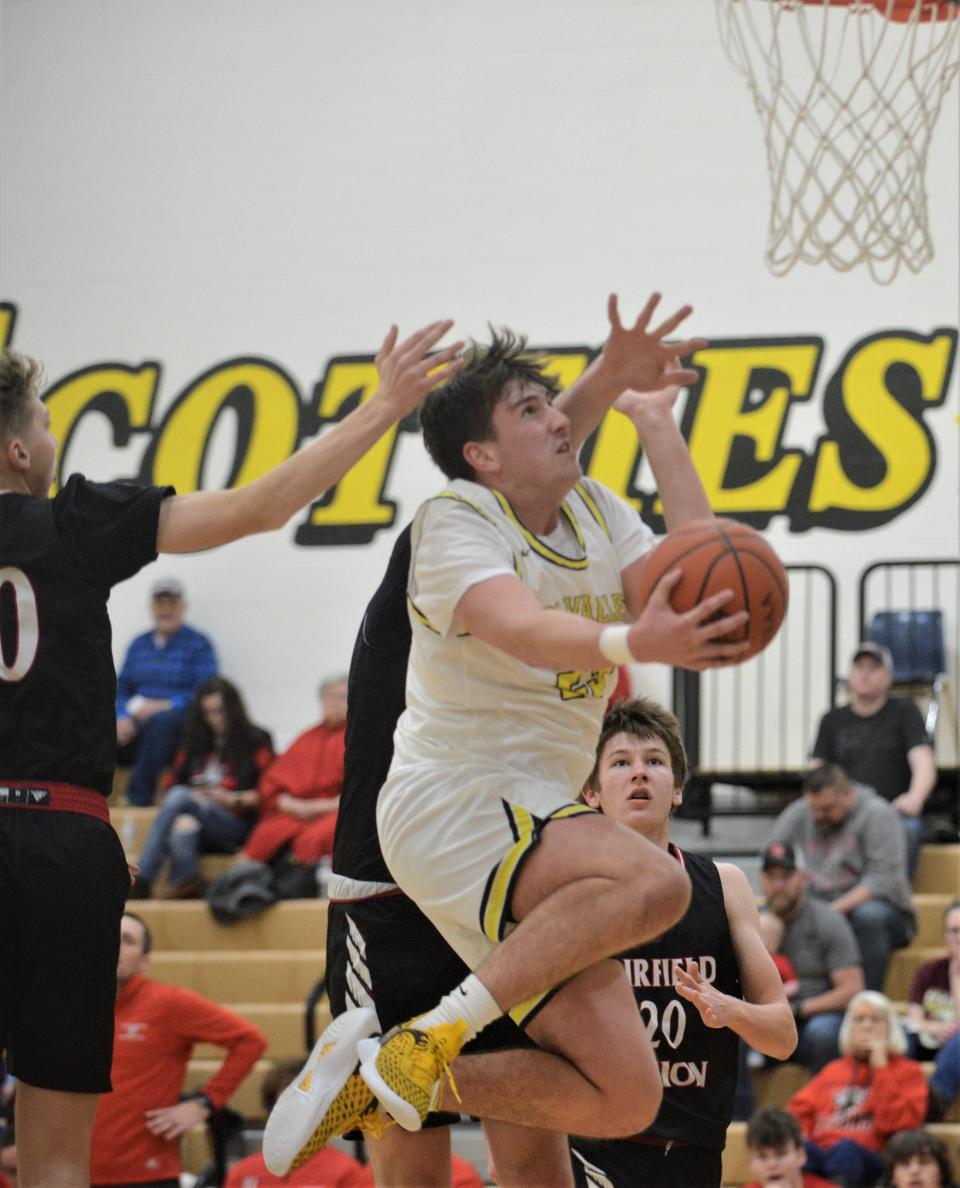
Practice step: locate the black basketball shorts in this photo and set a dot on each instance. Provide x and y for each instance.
(63, 885)
(620, 1163)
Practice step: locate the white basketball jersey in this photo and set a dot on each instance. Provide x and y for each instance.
(474, 707)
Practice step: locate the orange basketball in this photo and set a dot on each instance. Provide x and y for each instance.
(717, 555)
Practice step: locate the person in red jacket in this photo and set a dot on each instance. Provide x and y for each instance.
(156, 1027)
(854, 1104)
(776, 1152)
(300, 790)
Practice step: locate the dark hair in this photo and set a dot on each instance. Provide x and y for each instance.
(147, 934)
(276, 1080)
(773, 1128)
(20, 379)
(645, 718)
(240, 736)
(461, 410)
(907, 1143)
(827, 775)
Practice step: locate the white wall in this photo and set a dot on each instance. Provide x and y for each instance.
(199, 181)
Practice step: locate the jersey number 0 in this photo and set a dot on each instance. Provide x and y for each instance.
(18, 654)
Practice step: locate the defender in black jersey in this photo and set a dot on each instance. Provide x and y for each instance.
(382, 951)
(63, 878)
(700, 986)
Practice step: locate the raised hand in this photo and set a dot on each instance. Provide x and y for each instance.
(693, 639)
(408, 371)
(637, 405)
(716, 1008)
(642, 359)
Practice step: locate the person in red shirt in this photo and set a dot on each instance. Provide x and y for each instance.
(853, 1105)
(300, 790)
(772, 930)
(329, 1168)
(462, 1175)
(137, 1125)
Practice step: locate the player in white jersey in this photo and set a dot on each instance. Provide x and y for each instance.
(521, 575)
(524, 733)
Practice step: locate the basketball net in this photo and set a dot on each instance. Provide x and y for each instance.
(848, 92)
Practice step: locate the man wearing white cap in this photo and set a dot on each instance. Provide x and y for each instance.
(881, 741)
(161, 672)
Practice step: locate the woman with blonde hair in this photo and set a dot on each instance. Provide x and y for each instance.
(851, 1107)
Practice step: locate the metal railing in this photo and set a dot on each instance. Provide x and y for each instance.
(931, 584)
(761, 716)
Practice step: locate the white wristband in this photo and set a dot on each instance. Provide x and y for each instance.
(613, 644)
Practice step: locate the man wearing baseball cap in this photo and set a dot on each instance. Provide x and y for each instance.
(822, 948)
(161, 672)
(881, 741)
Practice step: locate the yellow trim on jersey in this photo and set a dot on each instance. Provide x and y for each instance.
(494, 908)
(480, 512)
(592, 507)
(420, 616)
(537, 544)
(469, 502)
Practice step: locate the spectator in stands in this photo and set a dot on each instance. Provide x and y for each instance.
(854, 857)
(917, 1159)
(851, 1108)
(823, 950)
(934, 1007)
(772, 932)
(137, 1125)
(329, 1167)
(881, 742)
(300, 790)
(212, 803)
(162, 670)
(8, 1149)
(934, 1012)
(462, 1175)
(777, 1153)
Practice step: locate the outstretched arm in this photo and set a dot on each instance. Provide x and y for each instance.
(679, 486)
(632, 357)
(762, 1017)
(407, 372)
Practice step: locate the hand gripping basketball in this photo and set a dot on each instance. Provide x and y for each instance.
(713, 592)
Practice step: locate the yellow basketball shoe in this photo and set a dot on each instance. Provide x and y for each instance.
(404, 1069)
(326, 1094)
(354, 1108)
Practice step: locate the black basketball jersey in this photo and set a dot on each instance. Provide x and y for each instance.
(59, 559)
(698, 1064)
(376, 699)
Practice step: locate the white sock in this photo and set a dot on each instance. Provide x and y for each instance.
(470, 1002)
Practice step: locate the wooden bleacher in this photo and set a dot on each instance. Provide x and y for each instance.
(264, 969)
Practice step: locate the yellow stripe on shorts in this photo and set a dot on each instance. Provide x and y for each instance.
(493, 911)
(526, 829)
(524, 1012)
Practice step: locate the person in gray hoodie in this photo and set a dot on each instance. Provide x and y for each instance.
(855, 857)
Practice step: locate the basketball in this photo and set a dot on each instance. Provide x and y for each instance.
(723, 554)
